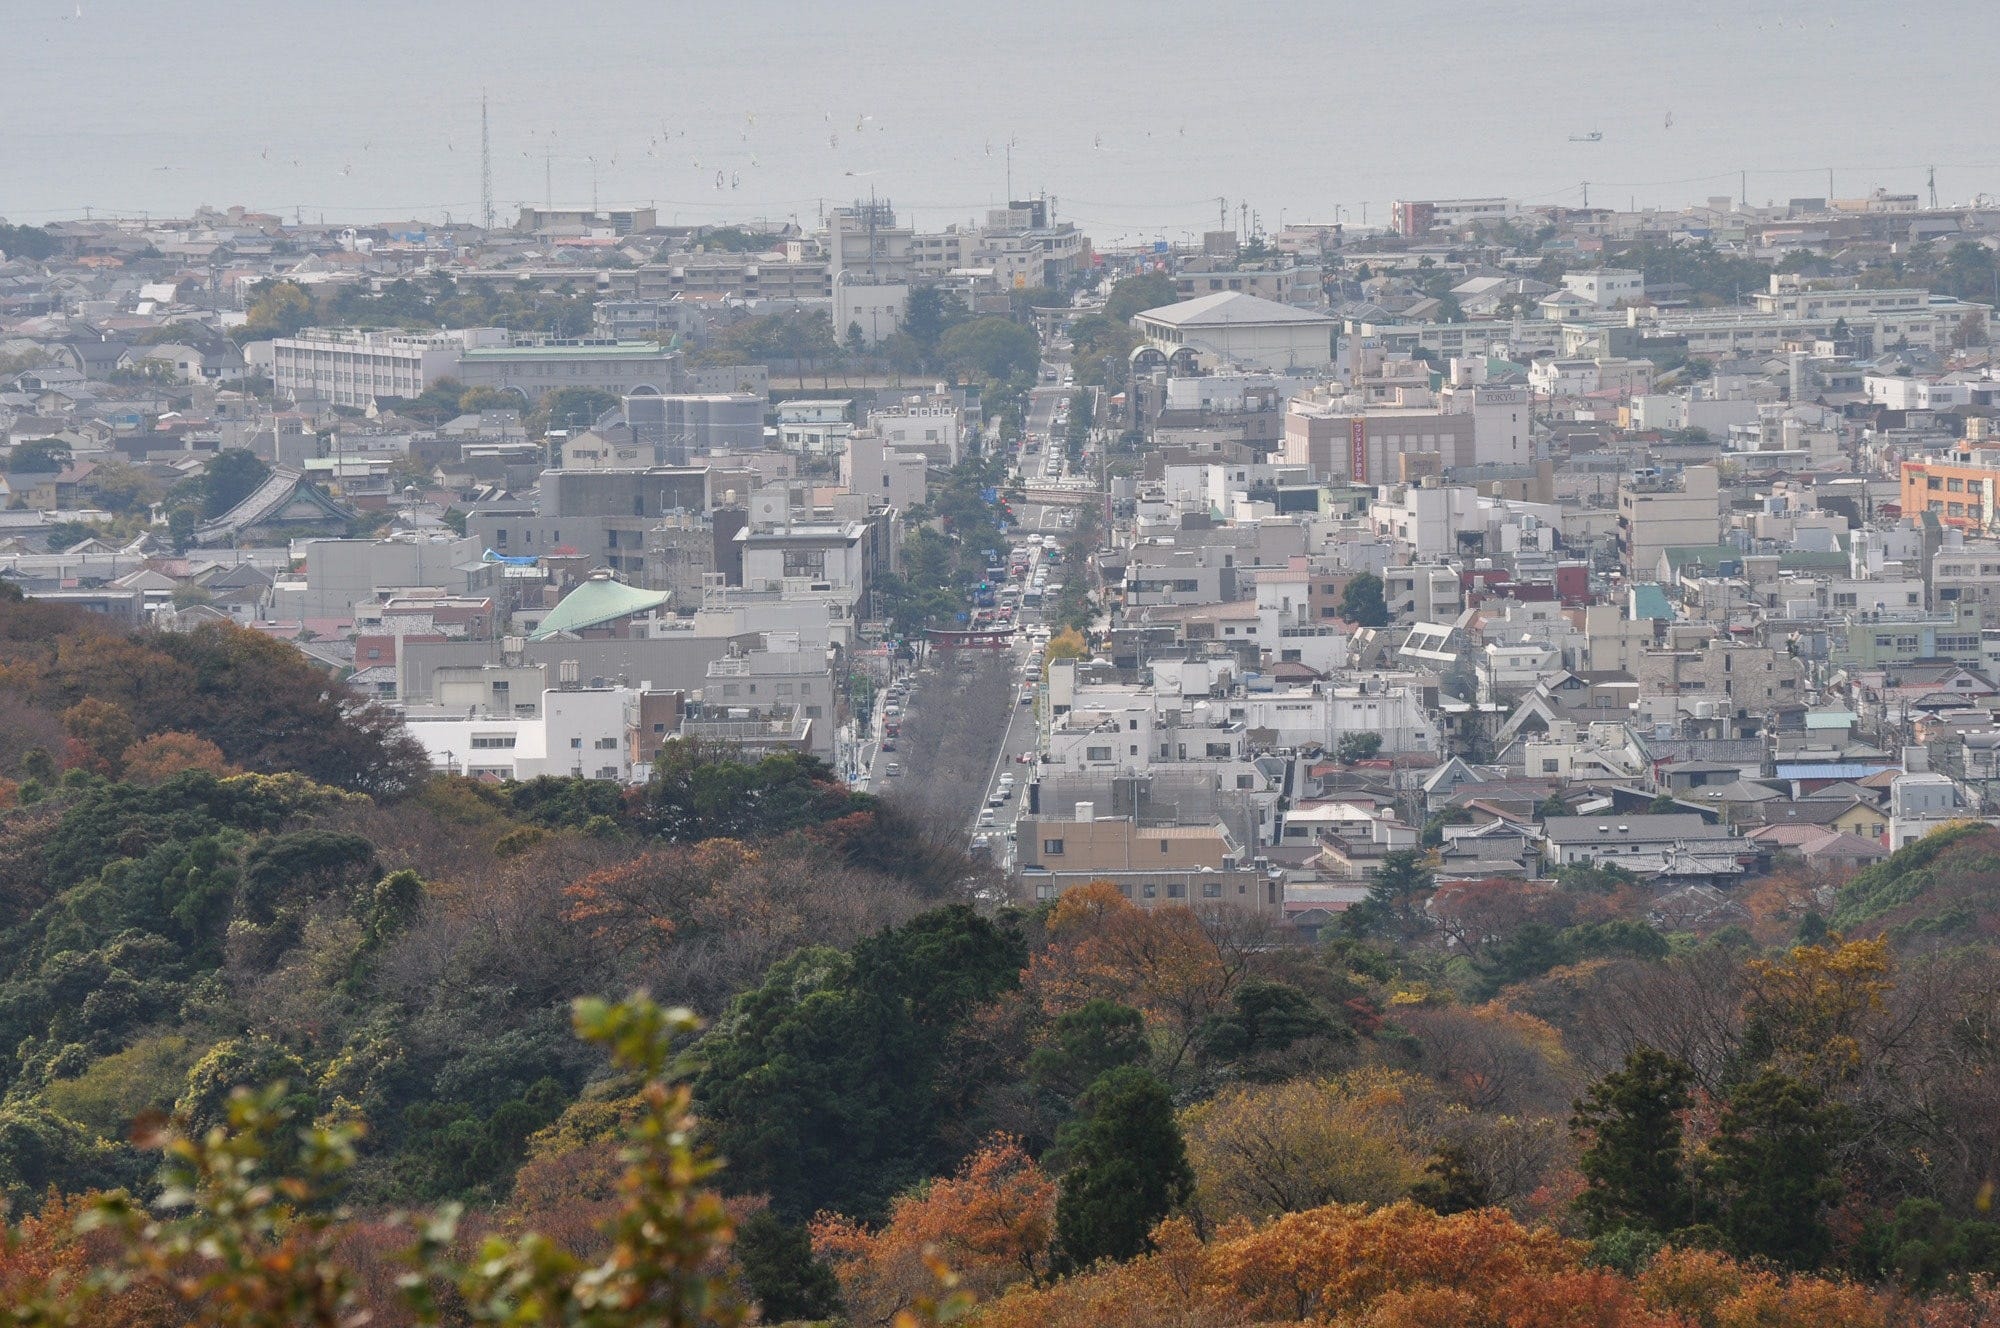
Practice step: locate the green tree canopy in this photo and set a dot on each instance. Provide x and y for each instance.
(1773, 1170)
(1133, 295)
(821, 1083)
(1631, 1123)
(1362, 602)
(40, 456)
(995, 348)
(1124, 1168)
(231, 477)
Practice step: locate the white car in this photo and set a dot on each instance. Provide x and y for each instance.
(987, 820)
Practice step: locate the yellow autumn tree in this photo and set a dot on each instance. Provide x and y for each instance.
(1262, 1149)
(1806, 1013)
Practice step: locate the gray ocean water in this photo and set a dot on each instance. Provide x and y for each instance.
(1136, 117)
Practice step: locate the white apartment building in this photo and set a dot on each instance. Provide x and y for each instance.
(1920, 802)
(1606, 287)
(580, 731)
(814, 427)
(350, 367)
(934, 427)
(875, 307)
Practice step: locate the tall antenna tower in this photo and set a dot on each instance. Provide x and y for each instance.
(485, 168)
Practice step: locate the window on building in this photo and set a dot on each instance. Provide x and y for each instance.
(1097, 754)
(1052, 848)
(805, 562)
(1177, 890)
(576, 743)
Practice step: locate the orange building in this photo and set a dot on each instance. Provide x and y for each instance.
(1959, 487)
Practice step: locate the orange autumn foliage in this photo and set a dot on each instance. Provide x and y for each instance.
(992, 1222)
(1407, 1267)
(164, 755)
(1164, 962)
(1712, 1290)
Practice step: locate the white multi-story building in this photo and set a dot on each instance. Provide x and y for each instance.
(1502, 417)
(1606, 287)
(580, 731)
(350, 367)
(932, 426)
(815, 426)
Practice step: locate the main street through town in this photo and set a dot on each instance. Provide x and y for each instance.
(936, 739)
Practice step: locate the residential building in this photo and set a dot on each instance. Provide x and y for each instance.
(886, 476)
(349, 367)
(1621, 839)
(671, 428)
(1656, 513)
(814, 426)
(1154, 866)
(1959, 488)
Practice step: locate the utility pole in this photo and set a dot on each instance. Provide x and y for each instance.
(1586, 193)
(1933, 180)
(485, 168)
(1743, 188)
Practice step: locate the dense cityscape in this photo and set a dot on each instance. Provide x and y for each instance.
(1433, 770)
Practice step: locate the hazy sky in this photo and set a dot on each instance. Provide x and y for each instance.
(1136, 117)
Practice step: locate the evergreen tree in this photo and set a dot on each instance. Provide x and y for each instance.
(1399, 881)
(1773, 1169)
(1264, 1018)
(781, 1272)
(820, 1085)
(1362, 602)
(1126, 1168)
(1632, 1160)
(1097, 1036)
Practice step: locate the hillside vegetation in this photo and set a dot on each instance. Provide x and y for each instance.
(313, 957)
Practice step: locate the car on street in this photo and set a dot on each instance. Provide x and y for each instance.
(987, 820)
(892, 771)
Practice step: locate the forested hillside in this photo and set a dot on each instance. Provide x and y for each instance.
(218, 872)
